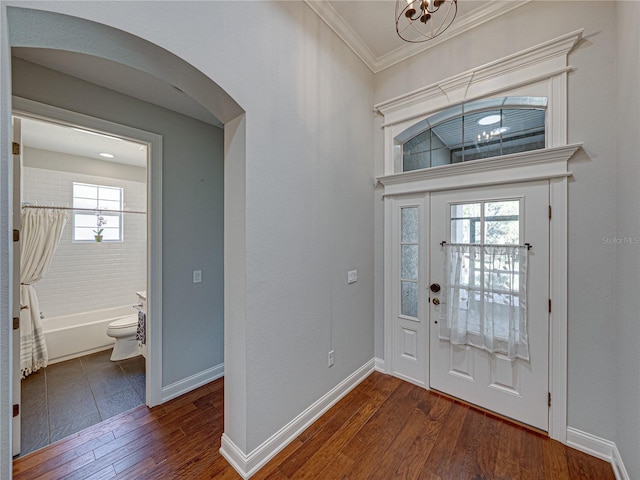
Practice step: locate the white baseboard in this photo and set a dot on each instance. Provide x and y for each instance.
(191, 383)
(380, 365)
(599, 448)
(248, 465)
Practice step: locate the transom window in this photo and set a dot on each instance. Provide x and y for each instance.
(474, 130)
(104, 216)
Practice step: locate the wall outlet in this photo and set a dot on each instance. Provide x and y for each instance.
(197, 276)
(332, 357)
(352, 276)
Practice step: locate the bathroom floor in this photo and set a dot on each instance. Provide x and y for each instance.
(70, 396)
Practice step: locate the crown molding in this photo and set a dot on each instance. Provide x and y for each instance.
(538, 62)
(479, 16)
(339, 25)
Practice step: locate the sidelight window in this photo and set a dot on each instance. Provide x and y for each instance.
(409, 252)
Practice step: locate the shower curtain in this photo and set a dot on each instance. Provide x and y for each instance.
(41, 233)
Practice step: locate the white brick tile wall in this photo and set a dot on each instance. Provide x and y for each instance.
(90, 276)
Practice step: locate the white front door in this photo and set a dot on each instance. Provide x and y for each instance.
(508, 214)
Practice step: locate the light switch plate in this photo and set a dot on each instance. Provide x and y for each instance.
(197, 276)
(352, 276)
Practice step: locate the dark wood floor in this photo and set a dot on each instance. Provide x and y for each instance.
(383, 429)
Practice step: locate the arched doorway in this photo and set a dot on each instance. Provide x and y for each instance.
(118, 46)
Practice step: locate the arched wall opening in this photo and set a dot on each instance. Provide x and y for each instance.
(41, 29)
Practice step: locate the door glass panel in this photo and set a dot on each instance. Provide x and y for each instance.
(409, 262)
(502, 222)
(489, 223)
(409, 256)
(465, 223)
(409, 228)
(409, 303)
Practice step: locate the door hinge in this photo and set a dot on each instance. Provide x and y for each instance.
(15, 150)
(16, 235)
(16, 410)
(549, 212)
(549, 305)
(16, 323)
(549, 398)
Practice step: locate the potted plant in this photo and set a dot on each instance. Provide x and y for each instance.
(100, 221)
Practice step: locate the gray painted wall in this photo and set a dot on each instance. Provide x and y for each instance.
(595, 284)
(309, 189)
(627, 278)
(193, 211)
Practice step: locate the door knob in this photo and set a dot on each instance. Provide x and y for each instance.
(435, 287)
(436, 301)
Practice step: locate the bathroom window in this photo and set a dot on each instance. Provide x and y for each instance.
(475, 130)
(97, 204)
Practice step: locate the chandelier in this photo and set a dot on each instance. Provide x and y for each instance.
(421, 20)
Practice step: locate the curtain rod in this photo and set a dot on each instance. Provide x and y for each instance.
(83, 209)
(528, 246)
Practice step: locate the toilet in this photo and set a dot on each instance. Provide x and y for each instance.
(124, 331)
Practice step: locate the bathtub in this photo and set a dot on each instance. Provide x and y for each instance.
(72, 336)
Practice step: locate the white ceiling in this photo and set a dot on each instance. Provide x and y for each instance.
(366, 26)
(84, 143)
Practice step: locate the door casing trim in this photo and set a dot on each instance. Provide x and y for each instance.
(557, 173)
(35, 109)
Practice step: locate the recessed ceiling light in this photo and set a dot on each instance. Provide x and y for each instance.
(106, 155)
(490, 119)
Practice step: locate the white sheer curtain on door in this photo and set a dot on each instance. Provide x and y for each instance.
(41, 232)
(485, 298)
